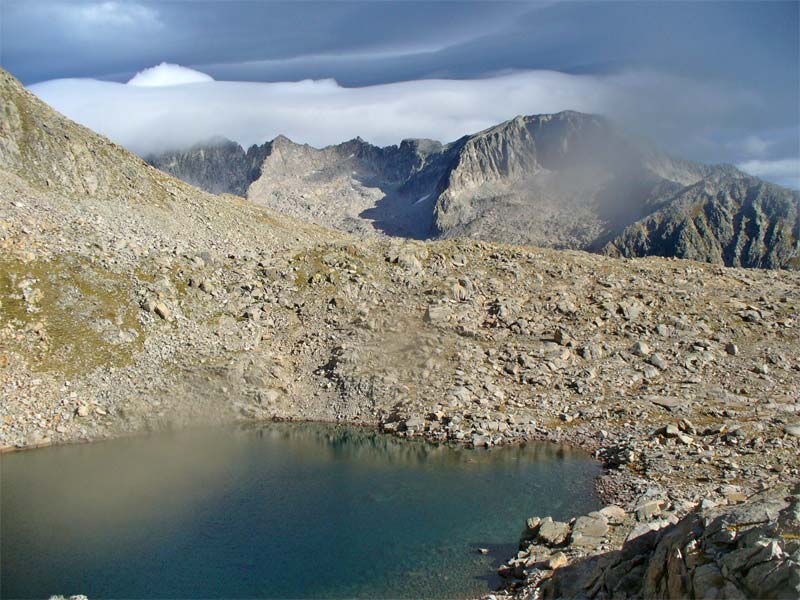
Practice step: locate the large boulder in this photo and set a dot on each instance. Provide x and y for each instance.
(748, 550)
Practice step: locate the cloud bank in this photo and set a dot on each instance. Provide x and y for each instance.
(170, 107)
(173, 107)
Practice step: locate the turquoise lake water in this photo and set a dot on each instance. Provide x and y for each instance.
(276, 511)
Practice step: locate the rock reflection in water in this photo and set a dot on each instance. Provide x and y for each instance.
(344, 442)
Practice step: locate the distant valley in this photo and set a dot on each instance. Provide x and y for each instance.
(567, 180)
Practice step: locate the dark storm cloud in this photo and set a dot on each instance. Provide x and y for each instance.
(49, 39)
(365, 43)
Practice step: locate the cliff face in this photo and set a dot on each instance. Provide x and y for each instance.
(567, 180)
(731, 220)
(219, 166)
(748, 550)
(532, 180)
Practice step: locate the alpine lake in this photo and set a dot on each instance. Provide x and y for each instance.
(277, 510)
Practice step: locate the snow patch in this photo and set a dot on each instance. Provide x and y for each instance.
(422, 199)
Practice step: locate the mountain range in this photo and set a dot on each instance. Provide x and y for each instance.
(567, 180)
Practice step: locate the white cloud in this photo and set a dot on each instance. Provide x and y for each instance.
(169, 107)
(785, 171)
(167, 74)
(755, 145)
(152, 118)
(117, 13)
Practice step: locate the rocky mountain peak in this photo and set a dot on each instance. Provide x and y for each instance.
(214, 141)
(282, 141)
(420, 146)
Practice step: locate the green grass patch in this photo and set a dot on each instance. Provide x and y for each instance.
(81, 316)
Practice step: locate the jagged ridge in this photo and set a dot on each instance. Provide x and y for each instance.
(738, 221)
(567, 180)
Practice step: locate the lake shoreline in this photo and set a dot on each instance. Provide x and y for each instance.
(606, 494)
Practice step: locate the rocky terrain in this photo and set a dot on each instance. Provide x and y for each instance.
(130, 301)
(749, 550)
(354, 186)
(568, 180)
(743, 220)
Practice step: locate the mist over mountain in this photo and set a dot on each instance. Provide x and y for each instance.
(568, 180)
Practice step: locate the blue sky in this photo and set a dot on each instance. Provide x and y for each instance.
(711, 81)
